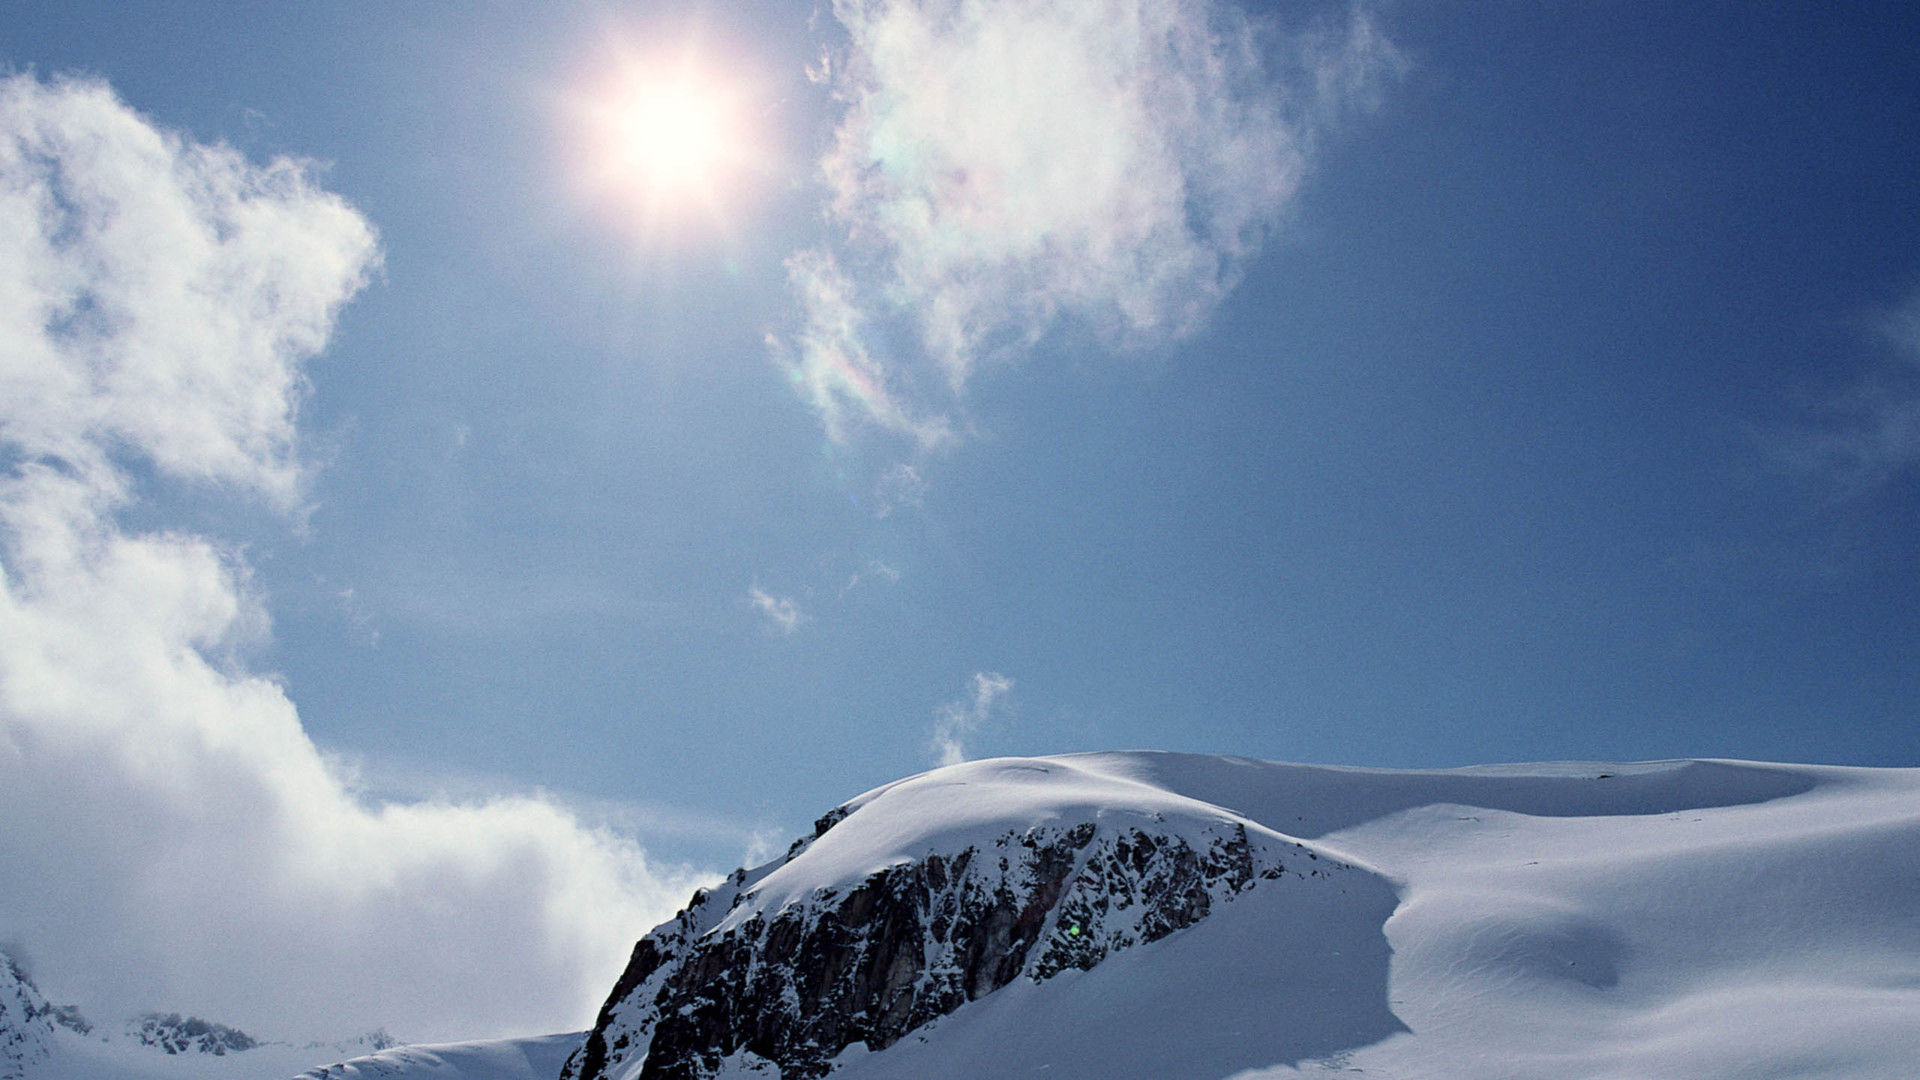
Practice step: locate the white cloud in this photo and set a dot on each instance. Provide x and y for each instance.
(173, 838)
(159, 292)
(782, 613)
(1000, 166)
(763, 845)
(955, 720)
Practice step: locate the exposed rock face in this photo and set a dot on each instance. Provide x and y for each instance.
(26, 1021)
(178, 1034)
(729, 981)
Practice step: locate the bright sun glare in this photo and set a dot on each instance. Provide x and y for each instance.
(670, 144)
(676, 137)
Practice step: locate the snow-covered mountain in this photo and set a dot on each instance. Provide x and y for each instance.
(43, 1041)
(1148, 916)
(27, 1023)
(1155, 916)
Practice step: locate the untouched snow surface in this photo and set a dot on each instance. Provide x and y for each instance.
(504, 1059)
(1691, 920)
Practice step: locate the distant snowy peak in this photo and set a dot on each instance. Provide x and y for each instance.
(43, 1041)
(917, 898)
(26, 1022)
(176, 1034)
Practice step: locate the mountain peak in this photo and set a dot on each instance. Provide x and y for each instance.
(921, 896)
(1140, 915)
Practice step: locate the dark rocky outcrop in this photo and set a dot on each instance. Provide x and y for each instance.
(914, 941)
(178, 1034)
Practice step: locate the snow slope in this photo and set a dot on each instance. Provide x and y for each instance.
(924, 895)
(503, 1059)
(1689, 920)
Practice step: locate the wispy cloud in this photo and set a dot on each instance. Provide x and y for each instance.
(782, 612)
(899, 487)
(358, 617)
(1869, 433)
(875, 570)
(832, 366)
(955, 721)
(1001, 167)
(173, 835)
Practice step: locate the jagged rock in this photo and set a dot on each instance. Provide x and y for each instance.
(178, 1034)
(69, 1017)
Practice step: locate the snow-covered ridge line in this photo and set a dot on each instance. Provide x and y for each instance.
(27, 1021)
(33, 1030)
(1137, 916)
(500, 1059)
(911, 901)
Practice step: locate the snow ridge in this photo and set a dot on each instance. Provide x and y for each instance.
(914, 900)
(503, 1059)
(1146, 916)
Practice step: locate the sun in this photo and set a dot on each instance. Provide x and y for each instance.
(677, 137)
(670, 143)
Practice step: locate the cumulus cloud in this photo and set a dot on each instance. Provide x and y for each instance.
(173, 838)
(1002, 166)
(955, 720)
(781, 612)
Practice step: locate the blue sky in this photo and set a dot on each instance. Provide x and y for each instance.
(1498, 382)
